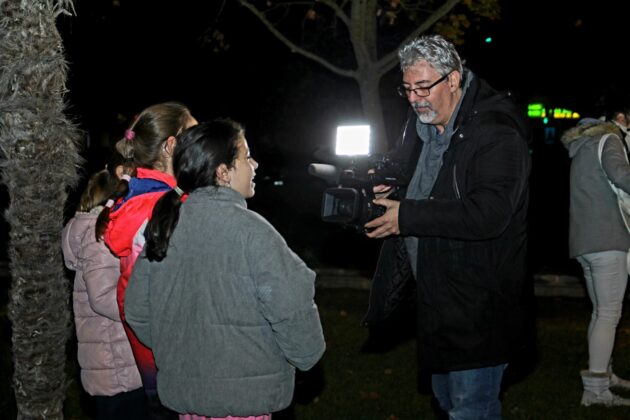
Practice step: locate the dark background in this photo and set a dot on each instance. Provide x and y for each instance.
(124, 55)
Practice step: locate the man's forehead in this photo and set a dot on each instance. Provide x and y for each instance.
(420, 70)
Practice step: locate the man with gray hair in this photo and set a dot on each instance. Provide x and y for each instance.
(459, 229)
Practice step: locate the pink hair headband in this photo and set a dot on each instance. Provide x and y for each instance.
(130, 135)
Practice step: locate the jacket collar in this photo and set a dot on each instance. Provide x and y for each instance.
(142, 173)
(481, 98)
(217, 193)
(147, 181)
(589, 128)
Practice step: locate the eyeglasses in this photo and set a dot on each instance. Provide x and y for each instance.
(422, 91)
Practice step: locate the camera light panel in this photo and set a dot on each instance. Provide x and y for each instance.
(353, 140)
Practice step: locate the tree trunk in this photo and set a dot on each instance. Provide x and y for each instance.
(38, 153)
(373, 112)
(360, 18)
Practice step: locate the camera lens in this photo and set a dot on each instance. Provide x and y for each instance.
(345, 208)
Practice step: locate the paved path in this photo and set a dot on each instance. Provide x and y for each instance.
(544, 284)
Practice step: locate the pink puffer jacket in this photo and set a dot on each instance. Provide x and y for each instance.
(105, 357)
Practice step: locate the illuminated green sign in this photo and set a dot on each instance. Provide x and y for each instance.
(538, 110)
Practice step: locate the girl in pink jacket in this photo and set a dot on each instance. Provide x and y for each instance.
(108, 368)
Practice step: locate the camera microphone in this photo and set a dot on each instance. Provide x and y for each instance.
(329, 173)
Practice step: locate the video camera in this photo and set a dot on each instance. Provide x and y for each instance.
(350, 201)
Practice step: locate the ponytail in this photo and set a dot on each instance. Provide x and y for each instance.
(121, 191)
(162, 224)
(141, 147)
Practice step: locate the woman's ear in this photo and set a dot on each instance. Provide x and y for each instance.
(223, 174)
(169, 145)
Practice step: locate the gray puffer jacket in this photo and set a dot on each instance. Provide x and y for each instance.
(595, 222)
(229, 313)
(107, 363)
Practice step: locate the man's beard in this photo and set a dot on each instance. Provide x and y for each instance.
(427, 116)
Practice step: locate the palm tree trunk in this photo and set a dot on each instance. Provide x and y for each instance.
(38, 155)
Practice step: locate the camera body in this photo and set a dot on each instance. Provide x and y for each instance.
(350, 203)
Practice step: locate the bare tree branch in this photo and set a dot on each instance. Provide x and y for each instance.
(365, 25)
(293, 46)
(338, 11)
(389, 61)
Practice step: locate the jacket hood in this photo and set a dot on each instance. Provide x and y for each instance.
(71, 238)
(587, 129)
(136, 208)
(481, 98)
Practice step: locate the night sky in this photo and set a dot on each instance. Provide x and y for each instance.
(127, 54)
(564, 51)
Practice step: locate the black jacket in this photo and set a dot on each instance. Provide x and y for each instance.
(472, 234)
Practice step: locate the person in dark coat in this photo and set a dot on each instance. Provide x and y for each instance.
(459, 229)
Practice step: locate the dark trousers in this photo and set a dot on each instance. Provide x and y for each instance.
(124, 406)
(156, 411)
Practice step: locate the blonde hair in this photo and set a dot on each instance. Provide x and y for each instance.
(100, 186)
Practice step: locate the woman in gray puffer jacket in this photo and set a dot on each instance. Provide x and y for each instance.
(108, 369)
(599, 240)
(225, 305)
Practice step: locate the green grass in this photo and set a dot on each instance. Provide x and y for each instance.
(353, 384)
(382, 386)
(361, 385)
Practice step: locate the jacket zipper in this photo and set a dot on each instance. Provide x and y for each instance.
(455, 186)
